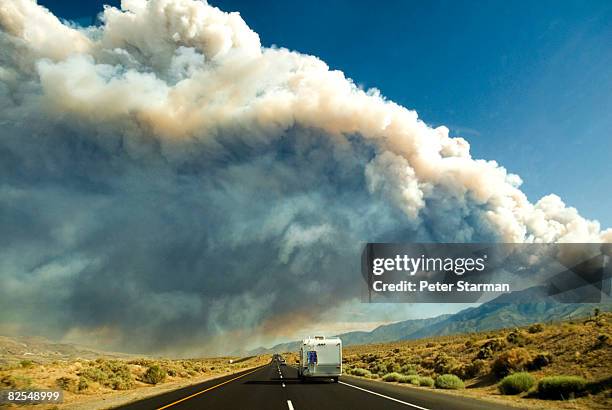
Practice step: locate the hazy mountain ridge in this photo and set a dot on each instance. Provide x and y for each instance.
(496, 314)
(42, 350)
(383, 333)
(391, 332)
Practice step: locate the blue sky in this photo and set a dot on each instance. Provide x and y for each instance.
(527, 83)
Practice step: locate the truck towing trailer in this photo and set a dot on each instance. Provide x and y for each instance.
(320, 357)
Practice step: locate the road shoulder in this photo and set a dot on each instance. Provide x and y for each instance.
(128, 397)
(465, 394)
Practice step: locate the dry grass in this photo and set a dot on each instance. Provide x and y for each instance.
(92, 382)
(581, 347)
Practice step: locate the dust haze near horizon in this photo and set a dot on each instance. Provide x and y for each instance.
(168, 185)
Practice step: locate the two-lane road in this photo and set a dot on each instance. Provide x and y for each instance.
(276, 387)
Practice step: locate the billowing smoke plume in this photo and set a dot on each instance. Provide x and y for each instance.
(165, 181)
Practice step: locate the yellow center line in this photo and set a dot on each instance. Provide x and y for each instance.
(210, 388)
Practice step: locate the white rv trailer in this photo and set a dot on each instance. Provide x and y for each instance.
(320, 357)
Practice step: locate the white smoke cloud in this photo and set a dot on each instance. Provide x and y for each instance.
(184, 69)
(171, 111)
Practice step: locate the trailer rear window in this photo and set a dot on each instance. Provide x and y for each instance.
(312, 357)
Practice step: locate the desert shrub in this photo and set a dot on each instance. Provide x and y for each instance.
(468, 344)
(412, 379)
(408, 369)
(449, 381)
(536, 328)
(444, 364)
(196, 367)
(94, 374)
(378, 367)
(360, 372)
(82, 385)
(427, 363)
(517, 338)
(26, 363)
(598, 386)
(155, 374)
(473, 369)
(458, 370)
(72, 385)
(369, 358)
(392, 367)
(401, 360)
(541, 360)
(431, 344)
(561, 387)
(396, 350)
(426, 381)
(121, 382)
(392, 377)
(602, 340)
(514, 360)
(110, 373)
(516, 383)
(491, 346)
(15, 381)
(141, 362)
(66, 383)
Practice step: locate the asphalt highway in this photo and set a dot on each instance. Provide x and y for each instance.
(277, 387)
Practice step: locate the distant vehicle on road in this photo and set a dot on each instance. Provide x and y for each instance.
(320, 357)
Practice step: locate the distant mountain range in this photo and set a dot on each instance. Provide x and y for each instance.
(41, 350)
(496, 314)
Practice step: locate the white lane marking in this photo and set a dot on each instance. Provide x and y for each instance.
(281, 376)
(283, 384)
(290, 405)
(386, 397)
